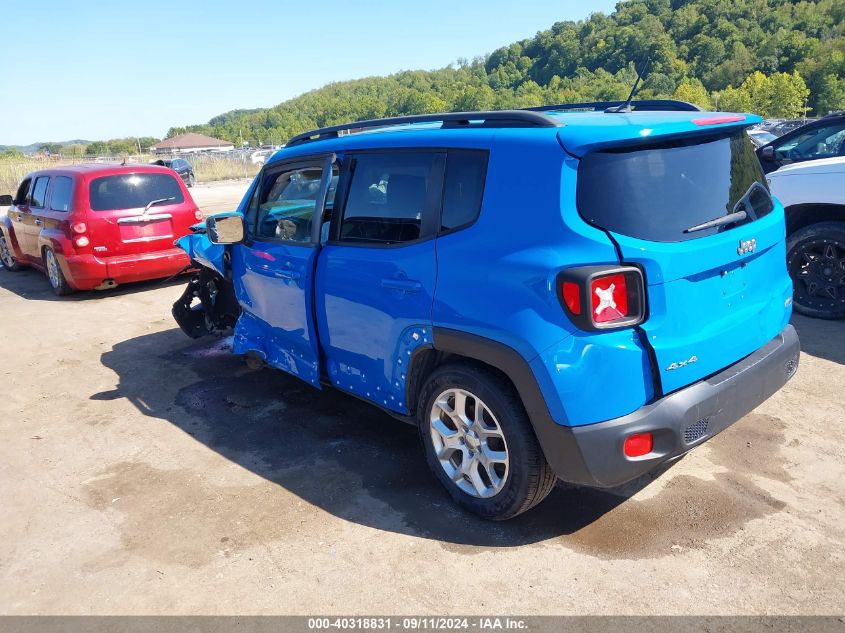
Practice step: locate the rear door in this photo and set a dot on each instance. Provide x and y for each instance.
(376, 275)
(134, 213)
(273, 270)
(716, 294)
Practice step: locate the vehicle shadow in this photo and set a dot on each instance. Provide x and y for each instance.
(821, 338)
(330, 449)
(33, 285)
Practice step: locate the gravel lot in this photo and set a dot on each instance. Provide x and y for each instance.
(143, 472)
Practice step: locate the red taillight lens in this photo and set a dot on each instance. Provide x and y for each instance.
(638, 444)
(572, 296)
(198, 214)
(609, 298)
(78, 227)
(81, 241)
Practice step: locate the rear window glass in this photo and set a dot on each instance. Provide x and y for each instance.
(463, 189)
(134, 191)
(655, 193)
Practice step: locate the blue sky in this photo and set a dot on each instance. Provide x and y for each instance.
(95, 70)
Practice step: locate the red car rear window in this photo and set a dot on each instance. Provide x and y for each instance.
(134, 191)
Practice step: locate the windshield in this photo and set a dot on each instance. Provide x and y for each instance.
(133, 191)
(657, 192)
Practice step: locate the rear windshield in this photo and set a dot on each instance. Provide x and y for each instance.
(134, 191)
(657, 192)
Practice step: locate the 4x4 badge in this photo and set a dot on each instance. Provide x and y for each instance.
(747, 246)
(683, 363)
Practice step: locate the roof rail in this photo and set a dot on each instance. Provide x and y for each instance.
(601, 106)
(498, 119)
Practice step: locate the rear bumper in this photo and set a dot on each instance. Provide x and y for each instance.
(592, 454)
(85, 272)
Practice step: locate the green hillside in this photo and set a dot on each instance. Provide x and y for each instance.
(774, 57)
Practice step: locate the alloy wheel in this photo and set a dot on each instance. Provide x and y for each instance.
(53, 272)
(819, 271)
(469, 443)
(6, 254)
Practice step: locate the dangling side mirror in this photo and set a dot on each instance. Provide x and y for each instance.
(6, 201)
(225, 228)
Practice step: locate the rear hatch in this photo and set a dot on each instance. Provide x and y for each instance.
(134, 213)
(715, 294)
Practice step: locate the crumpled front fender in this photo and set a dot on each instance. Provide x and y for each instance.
(200, 249)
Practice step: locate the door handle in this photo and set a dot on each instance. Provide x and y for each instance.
(405, 285)
(38, 223)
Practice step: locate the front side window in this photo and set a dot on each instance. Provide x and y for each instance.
(286, 204)
(22, 196)
(822, 142)
(387, 197)
(134, 191)
(39, 192)
(62, 189)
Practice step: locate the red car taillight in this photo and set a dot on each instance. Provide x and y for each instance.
(638, 444)
(615, 296)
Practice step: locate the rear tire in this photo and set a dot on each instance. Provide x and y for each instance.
(191, 180)
(815, 258)
(55, 275)
(480, 444)
(6, 258)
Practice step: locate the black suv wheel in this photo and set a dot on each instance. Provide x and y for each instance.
(479, 442)
(815, 257)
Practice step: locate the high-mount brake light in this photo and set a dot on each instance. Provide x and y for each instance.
(603, 297)
(716, 120)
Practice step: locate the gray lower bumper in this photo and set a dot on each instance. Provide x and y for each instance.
(592, 455)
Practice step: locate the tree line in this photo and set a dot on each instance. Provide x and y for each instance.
(777, 58)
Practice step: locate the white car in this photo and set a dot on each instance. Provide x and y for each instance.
(813, 194)
(259, 157)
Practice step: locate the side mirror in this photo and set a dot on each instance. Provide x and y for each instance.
(767, 153)
(6, 201)
(225, 228)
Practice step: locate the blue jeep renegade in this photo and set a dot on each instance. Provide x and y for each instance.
(547, 294)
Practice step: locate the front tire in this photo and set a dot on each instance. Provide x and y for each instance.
(815, 258)
(480, 444)
(6, 258)
(55, 275)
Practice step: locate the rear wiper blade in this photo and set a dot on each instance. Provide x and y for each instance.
(730, 218)
(152, 203)
(737, 216)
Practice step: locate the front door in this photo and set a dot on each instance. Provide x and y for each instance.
(376, 275)
(34, 219)
(273, 270)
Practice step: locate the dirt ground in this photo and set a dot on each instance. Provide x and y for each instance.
(214, 197)
(143, 472)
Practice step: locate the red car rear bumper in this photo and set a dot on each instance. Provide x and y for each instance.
(85, 272)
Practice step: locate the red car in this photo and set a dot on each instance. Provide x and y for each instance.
(96, 226)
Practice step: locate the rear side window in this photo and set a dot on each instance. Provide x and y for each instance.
(39, 192)
(60, 198)
(134, 191)
(387, 197)
(656, 192)
(463, 188)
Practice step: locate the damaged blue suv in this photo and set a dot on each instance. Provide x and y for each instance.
(573, 293)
